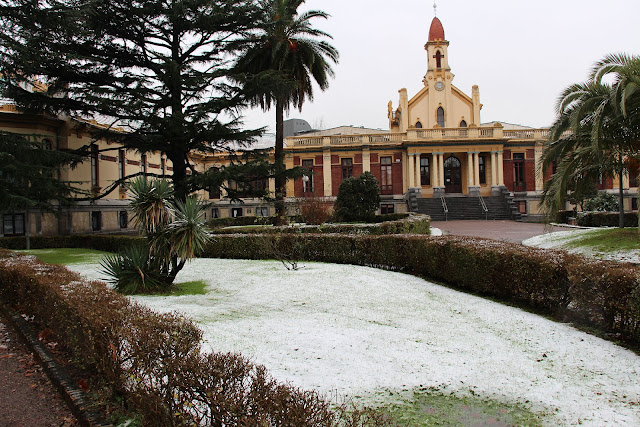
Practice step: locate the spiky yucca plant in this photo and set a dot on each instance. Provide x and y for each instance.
(175, 230)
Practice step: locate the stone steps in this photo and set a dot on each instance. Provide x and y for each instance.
(461, 208)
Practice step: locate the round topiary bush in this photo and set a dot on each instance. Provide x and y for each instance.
(358, 198)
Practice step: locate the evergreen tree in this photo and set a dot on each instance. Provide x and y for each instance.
(358, 198)
(158, 68)
(29, 174)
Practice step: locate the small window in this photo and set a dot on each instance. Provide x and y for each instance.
(48, 144)
(425, 172)
(13, 225)
(418, 125)
(387, 208)
(262, 211)
(94, 166)
(463, 124)
(236, 212)
(307, 179)
(386, 176)
(439, 57)
(634, 203)
(143, 163)
(214, 192)
(96, 220)
(123, 219)
(39, 223)
(215, 213)
(440, 117)
(347, 168)
(121, 162)
(260, 185)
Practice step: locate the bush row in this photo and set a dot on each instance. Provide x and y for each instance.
(155, 360)
(100, 242)
(269, 220)
(414, 224)
(605, 295)
(606, 219)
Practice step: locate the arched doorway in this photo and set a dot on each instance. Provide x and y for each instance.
(453, 175)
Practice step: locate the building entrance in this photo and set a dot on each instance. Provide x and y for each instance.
(453, 175)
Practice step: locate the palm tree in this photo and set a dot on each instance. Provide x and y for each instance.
(595, 133)
(287, 51)
(175, 230)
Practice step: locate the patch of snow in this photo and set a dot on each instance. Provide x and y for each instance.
(562, 239)
(354, 331)
(435, 231)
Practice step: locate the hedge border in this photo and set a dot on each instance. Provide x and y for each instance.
(410, 224)
(596, 294)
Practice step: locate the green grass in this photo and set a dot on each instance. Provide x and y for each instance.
(608, 240)
(196, 287)
(66, 256)
(428, 407)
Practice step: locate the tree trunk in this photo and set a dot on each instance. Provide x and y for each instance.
(280, 180)
(179, 176)
(621, 195)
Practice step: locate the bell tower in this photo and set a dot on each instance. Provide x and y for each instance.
(437, 55)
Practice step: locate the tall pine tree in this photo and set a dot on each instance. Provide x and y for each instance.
(158, 68)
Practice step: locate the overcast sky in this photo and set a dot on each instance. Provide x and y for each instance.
(521, 53)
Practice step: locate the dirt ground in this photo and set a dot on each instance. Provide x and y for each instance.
(27, 398)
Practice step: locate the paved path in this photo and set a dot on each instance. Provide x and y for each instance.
(510, 231)
(27, 398)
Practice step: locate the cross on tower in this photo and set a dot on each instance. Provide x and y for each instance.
(438, 56)
(435, 9)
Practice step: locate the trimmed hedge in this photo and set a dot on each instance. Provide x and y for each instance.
(155, 360)
(270, 220)
(600, 294)
(606, 219)
(100, 242)
(414, 224)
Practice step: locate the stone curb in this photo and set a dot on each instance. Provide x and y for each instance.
(73, 396)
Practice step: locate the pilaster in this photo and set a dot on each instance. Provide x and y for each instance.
(326, 171)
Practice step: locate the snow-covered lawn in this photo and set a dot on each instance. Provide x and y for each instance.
(562, 240)
(354, 331)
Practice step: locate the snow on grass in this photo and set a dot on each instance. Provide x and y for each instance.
(355, 331)
(564, 240)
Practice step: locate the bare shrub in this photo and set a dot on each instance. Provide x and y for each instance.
(315, 210)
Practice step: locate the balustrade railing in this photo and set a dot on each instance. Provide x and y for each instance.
(419, 134)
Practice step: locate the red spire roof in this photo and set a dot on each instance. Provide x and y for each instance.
(436, 32)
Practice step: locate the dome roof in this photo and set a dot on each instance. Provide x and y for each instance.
(436, 32)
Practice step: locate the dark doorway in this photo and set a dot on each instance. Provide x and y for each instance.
(453, 175)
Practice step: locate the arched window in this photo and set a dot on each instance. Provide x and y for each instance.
(440, 117)
(438, 59)
(418, 125)
(463, 124)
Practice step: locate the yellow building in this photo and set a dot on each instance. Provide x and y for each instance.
(437, 157)
(436, 148)
(108, 162)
